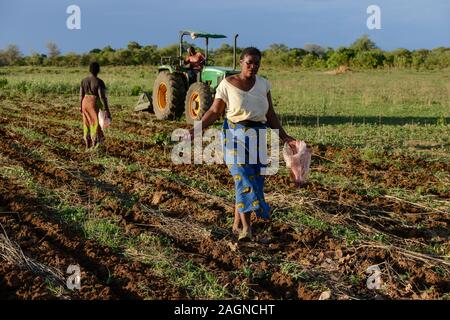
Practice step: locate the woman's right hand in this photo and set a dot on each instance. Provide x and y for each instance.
(214, 113)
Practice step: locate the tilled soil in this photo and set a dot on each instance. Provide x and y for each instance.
(326, 261)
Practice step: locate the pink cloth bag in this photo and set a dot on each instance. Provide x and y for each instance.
(298, 160)
(103, 120)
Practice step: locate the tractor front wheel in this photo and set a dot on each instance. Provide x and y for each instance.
(198, 101)
(168, 95)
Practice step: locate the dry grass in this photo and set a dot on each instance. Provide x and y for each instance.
(13, 254)
(182, 229)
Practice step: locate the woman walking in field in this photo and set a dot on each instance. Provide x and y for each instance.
(247, 101)
(93, 99)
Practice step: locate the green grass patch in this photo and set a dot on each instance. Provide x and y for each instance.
(294, 270)
(104, 231)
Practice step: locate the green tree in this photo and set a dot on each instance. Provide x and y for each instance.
(35, 59)
(123, 57)
(341, 56)
(108, 49)
(402, 58)
(363, 43)
(149, 54)
(309, 60)
(278, 47)
(11, 55)
(133, 45)
(315, 49)
(294, 57)
(438, 58)
(225, 48)
(419, 57)
(71, 59)
(85, 59)
(170, 51)
(53, 50)
(369, 59)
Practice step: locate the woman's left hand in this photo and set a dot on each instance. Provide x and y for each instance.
(287, 139)
(290, 141)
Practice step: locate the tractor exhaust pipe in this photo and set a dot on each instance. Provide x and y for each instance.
(180, 55)
(234, 51)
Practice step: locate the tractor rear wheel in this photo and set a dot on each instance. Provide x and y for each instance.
(168, 95)
(198, 101)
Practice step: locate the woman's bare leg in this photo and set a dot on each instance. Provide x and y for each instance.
(237, 221)
(246, 224)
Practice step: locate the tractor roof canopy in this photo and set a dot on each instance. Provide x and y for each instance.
(200, 34)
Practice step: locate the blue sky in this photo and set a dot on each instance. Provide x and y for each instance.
(411, 24)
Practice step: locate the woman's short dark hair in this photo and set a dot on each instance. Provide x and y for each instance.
(94, 68)
(251, 51)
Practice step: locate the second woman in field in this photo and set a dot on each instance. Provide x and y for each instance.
(93, 99)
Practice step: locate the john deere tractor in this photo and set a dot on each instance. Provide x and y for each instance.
(174, 92)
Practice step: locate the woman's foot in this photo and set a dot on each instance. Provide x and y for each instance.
(245, 235)
(236, 230)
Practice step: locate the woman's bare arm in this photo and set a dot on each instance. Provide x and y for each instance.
(274, 123)
(104, 99)
(214, 113)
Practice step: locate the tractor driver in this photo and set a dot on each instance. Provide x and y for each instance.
(195, 62)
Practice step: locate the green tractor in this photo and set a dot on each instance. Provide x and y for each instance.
(174, 92)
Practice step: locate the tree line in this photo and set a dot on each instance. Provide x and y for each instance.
(362, 53)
